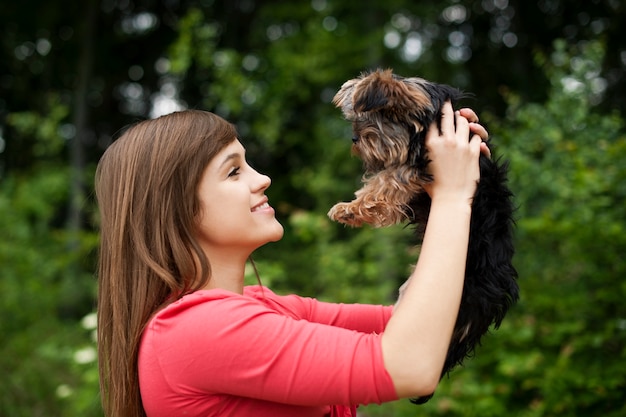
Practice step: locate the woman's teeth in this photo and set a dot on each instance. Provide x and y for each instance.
(261, 207)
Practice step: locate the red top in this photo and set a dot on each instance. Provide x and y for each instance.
(217, 353)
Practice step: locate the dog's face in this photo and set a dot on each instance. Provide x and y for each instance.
(389, 113)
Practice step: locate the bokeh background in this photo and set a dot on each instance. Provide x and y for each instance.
(548, 81)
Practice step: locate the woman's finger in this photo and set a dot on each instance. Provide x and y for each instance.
(484, 149)
(479, 130)
(469, 114)
(462, 126)
(447, 119)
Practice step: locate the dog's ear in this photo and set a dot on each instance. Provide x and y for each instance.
(381, 90)
(343, 98)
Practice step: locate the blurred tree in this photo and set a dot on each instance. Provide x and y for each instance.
(39, 300)
(569, 168)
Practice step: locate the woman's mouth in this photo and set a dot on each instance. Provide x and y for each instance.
(261, 207)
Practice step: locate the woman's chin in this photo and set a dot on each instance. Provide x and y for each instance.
(279, 233)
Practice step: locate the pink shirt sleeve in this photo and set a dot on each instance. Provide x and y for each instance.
(220, 342)
(364, 318)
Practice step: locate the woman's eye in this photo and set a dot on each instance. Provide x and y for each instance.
(234, 172)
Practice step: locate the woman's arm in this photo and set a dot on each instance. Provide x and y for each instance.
(417, 336)
(366, 318)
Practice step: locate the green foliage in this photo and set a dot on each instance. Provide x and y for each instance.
(39, 298)
(568, 170)
(196, 40)
(45, 130)
(41, 129)
(42, 294)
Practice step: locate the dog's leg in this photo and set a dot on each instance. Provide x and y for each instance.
(382, 201)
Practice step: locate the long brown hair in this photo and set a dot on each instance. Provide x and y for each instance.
(146, 184)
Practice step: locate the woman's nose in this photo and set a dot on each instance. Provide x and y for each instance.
(262, 181)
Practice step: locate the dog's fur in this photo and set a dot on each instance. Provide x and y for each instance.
(390, 116)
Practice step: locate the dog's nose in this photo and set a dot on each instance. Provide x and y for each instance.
(355, 138)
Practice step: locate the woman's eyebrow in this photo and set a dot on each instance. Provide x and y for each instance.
(230, 157)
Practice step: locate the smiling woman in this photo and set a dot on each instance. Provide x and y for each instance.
(235, 218)
(179, 333)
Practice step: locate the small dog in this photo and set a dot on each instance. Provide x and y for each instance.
(390, 116)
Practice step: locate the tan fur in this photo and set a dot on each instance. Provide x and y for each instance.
(383, 145)
(382, 201)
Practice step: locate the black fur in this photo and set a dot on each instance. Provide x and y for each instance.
(490, 286)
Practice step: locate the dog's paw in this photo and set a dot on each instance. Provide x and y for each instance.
(344, 213)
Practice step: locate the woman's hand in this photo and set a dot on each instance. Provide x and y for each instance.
(454, 159)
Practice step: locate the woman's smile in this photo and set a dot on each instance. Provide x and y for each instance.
(235, 209)
(264, 207)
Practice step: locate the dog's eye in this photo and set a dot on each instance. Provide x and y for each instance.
(355, 138)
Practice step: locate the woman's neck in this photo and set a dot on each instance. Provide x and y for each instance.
(227, 273)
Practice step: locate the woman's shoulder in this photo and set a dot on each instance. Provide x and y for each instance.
(215, 310)
(215, 300)
(260, 292)
(200, 299)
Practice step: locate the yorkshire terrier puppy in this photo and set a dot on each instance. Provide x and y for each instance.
(390, 116)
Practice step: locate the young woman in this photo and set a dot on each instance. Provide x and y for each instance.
(179, 334)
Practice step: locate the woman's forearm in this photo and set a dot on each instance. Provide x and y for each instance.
(416, 339)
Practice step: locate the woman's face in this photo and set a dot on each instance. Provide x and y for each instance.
(235, 214)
